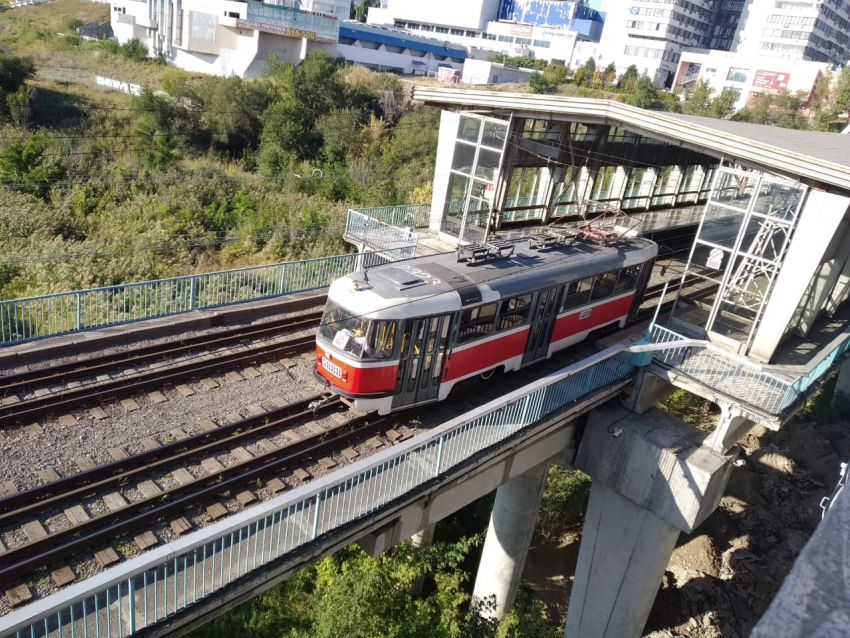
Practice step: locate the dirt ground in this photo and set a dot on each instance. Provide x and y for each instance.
(721, 579)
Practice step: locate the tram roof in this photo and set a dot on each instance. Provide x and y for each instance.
(812, 157)
(526, 270)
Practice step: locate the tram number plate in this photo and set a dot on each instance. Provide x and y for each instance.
(584, 314)
(332, 368)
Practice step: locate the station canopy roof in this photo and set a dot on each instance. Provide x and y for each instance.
(816, 158)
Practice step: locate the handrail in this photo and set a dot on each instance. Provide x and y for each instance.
(248, 541)
(41, 316)
(724, 371)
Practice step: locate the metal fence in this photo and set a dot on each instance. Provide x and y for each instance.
(361, 228)
(409, 215)
(736, 376)
(47, 315)
(796, 389)
(150, 588)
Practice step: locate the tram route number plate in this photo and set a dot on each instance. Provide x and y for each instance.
(584, 314)
(332, 368)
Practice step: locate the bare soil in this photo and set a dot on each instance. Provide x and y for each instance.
(721, 579)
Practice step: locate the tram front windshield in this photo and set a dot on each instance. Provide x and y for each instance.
(360, 336)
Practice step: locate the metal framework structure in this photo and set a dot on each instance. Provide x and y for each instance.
(741, 244)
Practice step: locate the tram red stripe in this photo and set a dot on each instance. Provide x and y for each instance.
(483, 356)
(599, 316)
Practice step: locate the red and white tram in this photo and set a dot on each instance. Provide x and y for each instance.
(403, 334)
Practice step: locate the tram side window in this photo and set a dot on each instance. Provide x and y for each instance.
(628, 279)
(380, 339)
(476, 322)
(603, 287)
(578, 293)
(514, 312)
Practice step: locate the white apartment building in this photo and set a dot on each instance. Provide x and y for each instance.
(747, 75)
(651, 34)
(817, 30)
(224, 37)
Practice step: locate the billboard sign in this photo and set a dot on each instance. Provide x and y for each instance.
(771, 80)
(274, 28)
(524, 30)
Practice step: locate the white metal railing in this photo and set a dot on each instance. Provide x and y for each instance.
(406, 215)
(48, 315)
(361, 228)
(146, 590)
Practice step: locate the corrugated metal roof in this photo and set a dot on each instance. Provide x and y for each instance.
(809, 156)
(395, 37)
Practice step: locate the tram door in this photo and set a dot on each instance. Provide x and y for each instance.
(423, 352)
(543, 320)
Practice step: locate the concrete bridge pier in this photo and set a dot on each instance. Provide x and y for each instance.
(652, 478)
(842, 386)
(508, 539)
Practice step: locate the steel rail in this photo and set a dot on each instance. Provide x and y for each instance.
(70, 487)
(81, 397)
(23, 560)
(102, 363)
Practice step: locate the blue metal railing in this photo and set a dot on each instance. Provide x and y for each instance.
(736, 376)
(796, 389)
(158, 584)
(48, 315)
(361, 228)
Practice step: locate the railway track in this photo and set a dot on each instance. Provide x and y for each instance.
(86, 535)
(136, 382)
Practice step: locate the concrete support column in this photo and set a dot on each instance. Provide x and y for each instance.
(733, 424)
(624, 552)
(843, 384)
(421, 540)
(508, 539)
(652, 478)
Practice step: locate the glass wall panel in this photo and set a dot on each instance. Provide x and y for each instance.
(495, 134)
(488, 164)
(721, 226)
(464, 158)
(469, 129)
(734, 189)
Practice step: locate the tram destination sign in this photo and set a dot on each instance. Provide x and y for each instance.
(274, 28)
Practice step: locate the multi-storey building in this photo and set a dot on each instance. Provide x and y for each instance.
(651, 34)
(816, 30)
(544, 29)
(227, 37)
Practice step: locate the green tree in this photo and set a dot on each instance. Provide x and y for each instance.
(644, 94)
(610, 72)
(697, 99)
(361, 10)
(25, 166)
(134, 50)
(14, 71)
(538, 83)
(781, 109)
(723, 106)
(629, 78)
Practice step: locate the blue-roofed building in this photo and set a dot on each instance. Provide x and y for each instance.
(390, 49)
(543, 29)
